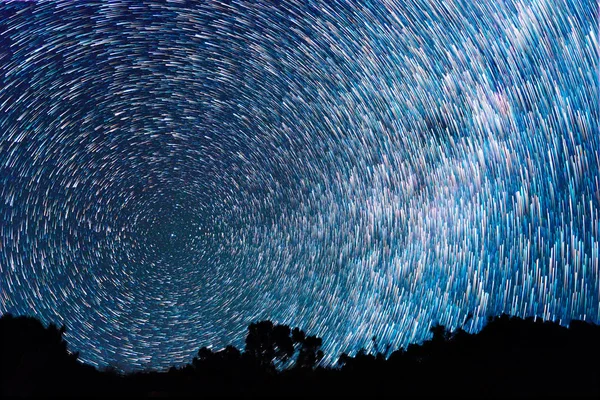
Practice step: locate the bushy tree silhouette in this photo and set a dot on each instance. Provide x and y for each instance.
(310, 352)
(267, 343)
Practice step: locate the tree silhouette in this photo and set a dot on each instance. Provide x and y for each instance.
(33, 358)
(310, 352)
(267, 343)
(271, 345)
(509, 357)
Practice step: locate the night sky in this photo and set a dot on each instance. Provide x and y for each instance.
(171, 172)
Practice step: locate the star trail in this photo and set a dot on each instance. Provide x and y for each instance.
(172, 171)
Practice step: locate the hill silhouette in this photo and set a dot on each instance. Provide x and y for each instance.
(510, 356)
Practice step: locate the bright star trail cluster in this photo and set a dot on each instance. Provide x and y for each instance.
(172, 171)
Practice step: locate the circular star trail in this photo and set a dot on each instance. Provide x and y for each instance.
(171, 172)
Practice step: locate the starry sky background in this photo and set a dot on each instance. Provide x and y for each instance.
(172, 171)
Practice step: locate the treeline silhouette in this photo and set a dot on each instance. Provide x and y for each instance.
(510, 356)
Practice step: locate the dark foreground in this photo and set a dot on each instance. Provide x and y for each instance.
(509, 357)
